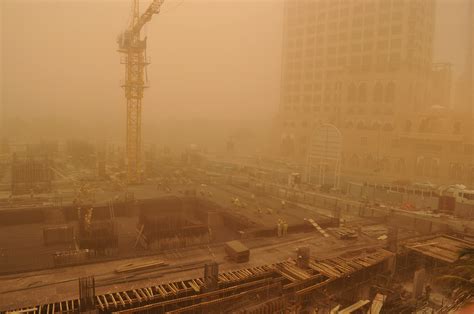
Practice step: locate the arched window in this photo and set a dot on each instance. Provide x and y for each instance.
(378, 92)
(355, 162)
(456, 171)
(424, 125)
(470, 175)
(338, 91)
(287, 145)
(351, 93)
(457, 127)
(407, 127)
(390, 92)
(427, 166)
(384, 164)
(362, 94)
(400, 165)
(328, 93)
(420, 161)
(370, 162)
(388, 127)
(376, 125)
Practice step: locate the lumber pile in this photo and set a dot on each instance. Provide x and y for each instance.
(291, 272)
(344, 233)
(139, 266)
(243, 274)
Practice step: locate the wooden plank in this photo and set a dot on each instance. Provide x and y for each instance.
(142, 292)
(128, 298)
(171, 288)
(105, 301)
(137, 295)
(100, 303)
(354, 307)
(138, 266)
(160, 291)
(113, 299)
(121, 299)
(194, 285)
(264, 282)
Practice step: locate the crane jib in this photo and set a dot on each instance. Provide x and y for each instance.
(154, 8)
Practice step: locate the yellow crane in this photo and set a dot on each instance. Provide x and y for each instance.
(134, 50)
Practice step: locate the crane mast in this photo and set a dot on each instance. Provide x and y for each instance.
(134, 50)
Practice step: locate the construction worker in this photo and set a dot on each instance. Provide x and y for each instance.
(279, 228)
(285, 228)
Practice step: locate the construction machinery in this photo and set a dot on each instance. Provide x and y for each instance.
(134, 50)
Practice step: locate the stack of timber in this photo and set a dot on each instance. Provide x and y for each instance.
(132, 267)
(344, 233)
(291, 272)
(233, 286)
(244, 274)
(345, 265)
(73, 257)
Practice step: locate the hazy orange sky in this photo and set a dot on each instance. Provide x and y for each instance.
(211, 59)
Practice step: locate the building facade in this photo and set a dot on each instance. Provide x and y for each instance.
(366, 67)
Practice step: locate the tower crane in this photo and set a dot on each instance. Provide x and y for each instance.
(134, 50)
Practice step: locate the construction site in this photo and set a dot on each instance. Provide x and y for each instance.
(199, 241)
(132, 228)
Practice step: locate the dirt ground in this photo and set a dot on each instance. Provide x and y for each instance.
(50, 285)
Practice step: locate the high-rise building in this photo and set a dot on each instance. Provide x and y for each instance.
(347, 59)
(366, 66)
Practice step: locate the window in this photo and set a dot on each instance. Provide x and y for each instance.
(390, 93)
(400, 166)
(457, 127)
(378, 92)
(354, 161)
(387, 127)
(456, 171)
(338, 91)
(362, 95)
(351, 92)
(366, 61)
(407, 127)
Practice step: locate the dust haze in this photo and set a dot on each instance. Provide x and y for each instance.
(206, 56)
(236, 156)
